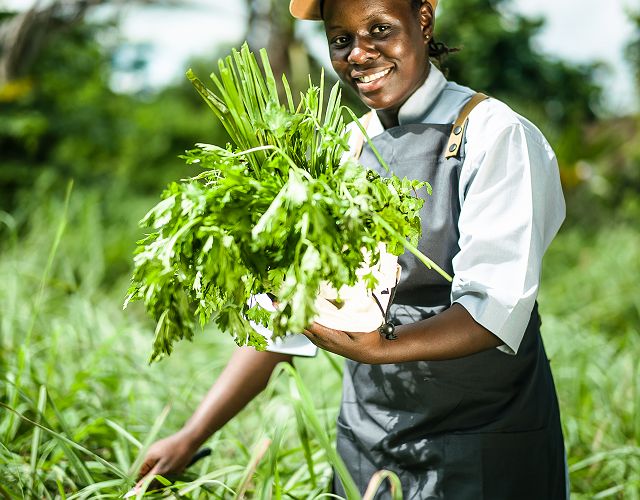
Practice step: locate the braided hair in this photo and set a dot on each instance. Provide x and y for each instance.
(438, 51)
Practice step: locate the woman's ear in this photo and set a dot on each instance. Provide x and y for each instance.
(426, 20)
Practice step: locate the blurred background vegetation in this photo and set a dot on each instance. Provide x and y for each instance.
(73, 363)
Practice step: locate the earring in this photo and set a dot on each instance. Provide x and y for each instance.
(426, 37)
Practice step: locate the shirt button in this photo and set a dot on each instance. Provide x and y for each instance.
(457, 130)
(452, 148)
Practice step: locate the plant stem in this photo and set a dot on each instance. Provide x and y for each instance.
(376, 481)
(421, 257)
(368, 139)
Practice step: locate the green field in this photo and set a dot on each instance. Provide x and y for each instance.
(79, 401)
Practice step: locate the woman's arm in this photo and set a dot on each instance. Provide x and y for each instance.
(246, 374)
(451, 334)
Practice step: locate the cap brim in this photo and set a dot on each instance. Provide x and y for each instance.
(305, 9)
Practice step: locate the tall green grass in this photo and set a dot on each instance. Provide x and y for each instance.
(591, 326)
(78, 400)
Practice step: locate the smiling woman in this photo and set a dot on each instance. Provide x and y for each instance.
(460, 403)
(383, 56)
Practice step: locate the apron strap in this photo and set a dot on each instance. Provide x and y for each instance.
(460, 126)
(357, 149)
(457, 132)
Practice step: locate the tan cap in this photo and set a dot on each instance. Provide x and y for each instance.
(310, 9)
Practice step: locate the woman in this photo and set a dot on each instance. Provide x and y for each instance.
(460, 403)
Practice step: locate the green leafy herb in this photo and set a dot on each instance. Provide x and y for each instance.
(278, 211)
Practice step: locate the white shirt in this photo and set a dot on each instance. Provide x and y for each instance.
(511, 207)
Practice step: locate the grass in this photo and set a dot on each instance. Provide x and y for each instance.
(591, 318)
(74, 363)
(78, 400)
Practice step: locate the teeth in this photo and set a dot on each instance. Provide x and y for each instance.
(375, 76)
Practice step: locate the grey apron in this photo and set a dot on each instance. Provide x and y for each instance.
(482, 427)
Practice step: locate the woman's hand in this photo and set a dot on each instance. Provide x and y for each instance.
(359, 346)
(450, 334)
(168, 456)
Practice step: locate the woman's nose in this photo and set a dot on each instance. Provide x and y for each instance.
(362, 52)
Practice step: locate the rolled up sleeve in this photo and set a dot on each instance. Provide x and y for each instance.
(511, 208)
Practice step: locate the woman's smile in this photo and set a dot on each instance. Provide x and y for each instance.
(370, 81)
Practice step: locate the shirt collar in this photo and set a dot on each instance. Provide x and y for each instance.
(417, 106)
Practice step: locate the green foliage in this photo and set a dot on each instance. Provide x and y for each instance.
(278, 212)
(633, 47)
(590, 313)
(498, 56)
(63, 120)
(78, 376)
(604, 183)
(83, 373)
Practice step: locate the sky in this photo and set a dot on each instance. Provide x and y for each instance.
(576, 30)
(590, 30)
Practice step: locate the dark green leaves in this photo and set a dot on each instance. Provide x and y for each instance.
(279, 211)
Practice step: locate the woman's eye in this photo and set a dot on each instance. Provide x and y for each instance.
(380, 29)
(340, 41)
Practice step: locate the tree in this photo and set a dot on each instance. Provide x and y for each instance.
(271, 26)
(60, 116)
(633, 48)
(23, 35)
(498, 56)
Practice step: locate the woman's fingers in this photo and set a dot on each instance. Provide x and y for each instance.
(165, 457)
(146, 466)
(157, 469)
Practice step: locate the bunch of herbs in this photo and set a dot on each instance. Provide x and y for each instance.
(278, 211)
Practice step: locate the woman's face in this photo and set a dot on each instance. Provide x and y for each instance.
(379, 47)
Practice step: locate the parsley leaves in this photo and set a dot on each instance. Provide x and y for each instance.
(278, 211)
